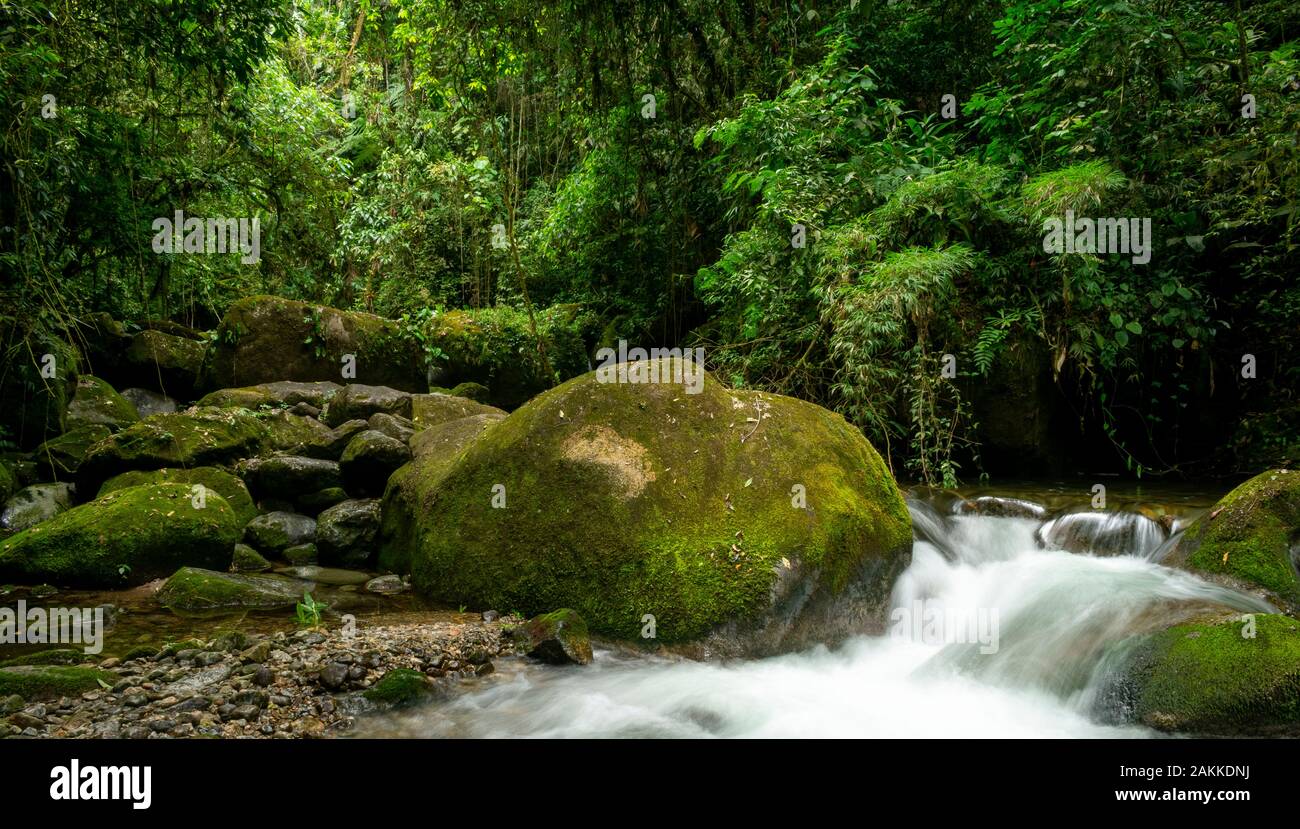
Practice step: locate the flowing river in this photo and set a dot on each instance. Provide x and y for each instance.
(1023, 646)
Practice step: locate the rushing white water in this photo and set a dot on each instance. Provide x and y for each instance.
(1054, 614)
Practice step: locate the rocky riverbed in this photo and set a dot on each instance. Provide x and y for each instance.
(304, 684)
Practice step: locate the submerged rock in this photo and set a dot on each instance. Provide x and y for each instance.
(1250, 539)
(1000, 508)
(128, 536)
(559, 637)
(1103, 533)
(756, 522)
(193, 589)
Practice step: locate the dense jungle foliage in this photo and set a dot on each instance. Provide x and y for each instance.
(786, 184)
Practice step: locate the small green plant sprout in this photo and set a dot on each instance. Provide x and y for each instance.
(309, 611)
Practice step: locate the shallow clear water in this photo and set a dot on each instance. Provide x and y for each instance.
(1022, 656)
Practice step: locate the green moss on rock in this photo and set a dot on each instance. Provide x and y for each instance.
(192, 589)
(400, 686)
(1250, 538)
(225, 484)
(57, 656)
(126, 537)
(202, 436)
(32, 682)
(96, 403)
(767, 521)
(1207, 677)
(60, 457)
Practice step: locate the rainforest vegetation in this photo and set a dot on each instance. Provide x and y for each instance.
(839, 201)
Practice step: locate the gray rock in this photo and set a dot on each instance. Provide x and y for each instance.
(386, 585)
(34, 504)
(358, 401)
(148, 402)
(287, 476)
(276, 532)
(346, 533)
(368, 461)
(333, 675)
(325, 575)
(399, 428)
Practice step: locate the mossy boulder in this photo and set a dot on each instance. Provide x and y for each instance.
(248, 560)
(744, 522)
(95, 403)
(164, 362)
(263, 339)
(229, 487)
(400, 686)
(1250, 539)
(431, 409)
(279, 393)
(195, 590)
(128, 536)
(1230, 676)
(8, 481)
(346, 533)
(57, 656)
(358, 402)
(289, 476)
(202, 436)
(60, 457)
(477, 392)
(559, 637)
(34, 682)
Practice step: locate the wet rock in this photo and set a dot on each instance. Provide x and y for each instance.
(1102, 533)
(559, 637)
(95, 403)
(401, 686)
(301, 554)
(1001, 508)
(333, 675)
(314, 503)
(387, 585)
(325, 575)
(248, 560)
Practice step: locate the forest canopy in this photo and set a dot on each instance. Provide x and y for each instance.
(844, 202)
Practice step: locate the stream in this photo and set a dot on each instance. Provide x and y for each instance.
(1056, 616)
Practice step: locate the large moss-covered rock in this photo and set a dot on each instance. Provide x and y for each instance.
(201, 436)
(126, 537)
(1218, 676)
(164, 362)
(280, 393)
(95, 403)
(229, 487)
(60, 457)
(1250, 539)
(192, 589)
(263, 339)
(759, 521)
(276, 532)
(559, 637)
(36, 386)
(435, 449)
(431, 409)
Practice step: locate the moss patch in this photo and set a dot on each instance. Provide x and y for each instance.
(1250, 536)
(400, 686)
(228, 486)
(1207, 677)
(48, 681)
(127, 537)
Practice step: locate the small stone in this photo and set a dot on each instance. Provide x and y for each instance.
(334, 675)
(264, 677)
